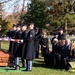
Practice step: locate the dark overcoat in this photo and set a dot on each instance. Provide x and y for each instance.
(24, 37)
(61, 36)
(44, 41)
(65, 51)
(11, 45)
(37, 41)
(30, 45)
(18, 45)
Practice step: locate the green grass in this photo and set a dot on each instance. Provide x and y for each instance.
(4, 45)
(39, 68)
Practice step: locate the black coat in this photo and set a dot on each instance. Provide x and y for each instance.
(65, 51)
(61, 36)
(18, 52)
(54, 48)
(24, 37)
(11, 45)
(30, 45)
(44, 41)
(37, 41)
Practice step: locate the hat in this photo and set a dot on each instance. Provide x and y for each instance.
(30, 24)
(23, 25)
(14, 25)
(18, 26)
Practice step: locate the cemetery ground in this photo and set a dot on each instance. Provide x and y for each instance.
(39, 68)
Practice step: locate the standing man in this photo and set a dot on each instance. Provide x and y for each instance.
(17, 53)
(11, 34)
(37, 42)
(23, 45)
(30, 47)
(61, 35)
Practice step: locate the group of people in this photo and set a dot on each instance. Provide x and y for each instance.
(24, 49)
(28, 49)
(33, 40)
(60, 53)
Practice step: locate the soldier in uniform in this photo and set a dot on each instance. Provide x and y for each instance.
(23, 45)
(11, 34)
(17, 52)
(30, 47)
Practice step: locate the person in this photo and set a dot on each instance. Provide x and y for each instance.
(37, 42)
(44, 44)
(11, 34)
(65, 54)
(30, 50)
(23, 45)
(61, 35)
(17, 52)
(54, 50)
(53, 41)
(57, 55)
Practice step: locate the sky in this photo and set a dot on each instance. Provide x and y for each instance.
(9, 6)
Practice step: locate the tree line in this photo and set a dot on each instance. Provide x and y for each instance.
(49, 14)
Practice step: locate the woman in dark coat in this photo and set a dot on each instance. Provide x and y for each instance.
(44, 44)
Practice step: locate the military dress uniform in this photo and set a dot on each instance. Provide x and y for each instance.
(17, 52)
(23, 46)
(30, 49)
(11, 34)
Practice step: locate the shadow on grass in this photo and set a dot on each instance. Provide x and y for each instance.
(9, 69)
(40, 63)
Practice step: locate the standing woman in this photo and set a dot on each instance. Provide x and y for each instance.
(44, 44)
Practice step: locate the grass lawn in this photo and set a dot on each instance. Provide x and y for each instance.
(39, 68)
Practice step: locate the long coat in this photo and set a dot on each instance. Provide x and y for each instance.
(24, 37)
(37, 41)
(30, 45)
(44, 41)
(11, 45)
(18, 51)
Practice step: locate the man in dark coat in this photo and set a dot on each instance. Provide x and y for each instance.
(30, 47)
(23, 45)
(65, 54)
(61, 35)
(37, 42)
